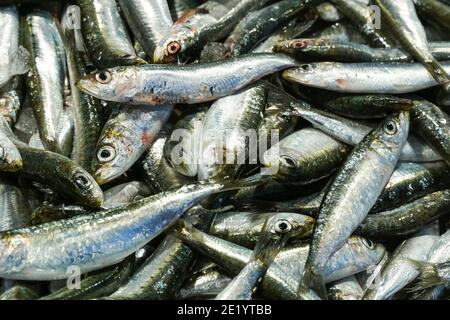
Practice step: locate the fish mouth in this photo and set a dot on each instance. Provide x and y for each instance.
(289, 75)
(85, 85)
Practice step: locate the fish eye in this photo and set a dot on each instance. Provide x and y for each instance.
(299, 45)
(283, 226)
(137, 198)
(82, 181)
(173, 47)
(103, 77)
(2, 153)
(106, 153)
(368, 243)
(289, 161)
(390, 127)
(305, 67)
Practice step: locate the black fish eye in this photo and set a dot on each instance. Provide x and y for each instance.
(283, 226)
(368, 243)
(82, 181)
(103, 76)
(390, 127)
(106, 153)
(305, 67)
(289, 161)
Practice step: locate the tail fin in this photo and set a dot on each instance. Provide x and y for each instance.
(429, 275)
(21, 62)
(315, 281)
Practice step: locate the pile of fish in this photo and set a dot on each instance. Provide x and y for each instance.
(232, 149)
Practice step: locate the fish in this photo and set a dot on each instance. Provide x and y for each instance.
(125, 137)
(315, 49)
(362, 16)
(61, 173)
(11, 99)
(104, 34)
(244, 228)
(402, 18)
(364, 77)
(210, 21)
(45, 90)
(346, 289)
(271, 240)
(149, 20)
(406, 219)
(259, 24)
(229, 132)
(399, 271)
(87, 120)
(184, 155)
(305, 156)
(352, 132)
(283, 276)
(15, 59)
(433, 125)
(434, 272)
(14, 210)
(207, 284)
(99, 230)
(380, 151)
(188, 84)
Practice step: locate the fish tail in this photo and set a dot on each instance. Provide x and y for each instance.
(21, 61)
(429, 276)
(313, 280)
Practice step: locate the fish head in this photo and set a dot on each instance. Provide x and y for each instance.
(293, 224)
(301, 45)
(321, 75)
(367, 250)
(10, 159)
(393, 131)
(181, 39)
(280, 161)
(115, 84)
(81, 184)
(115, 153)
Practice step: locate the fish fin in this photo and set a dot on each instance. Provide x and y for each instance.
(21, 61)
(312, 280)
(429, 276)
(254, 180)
(268, 245)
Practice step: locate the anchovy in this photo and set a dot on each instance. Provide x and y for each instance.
(129, 131)
(45, 89)
(195, 83)
(352, 132)
(105, 35)
(150, 21)
(400, 271)
(402, 18)
(14, 58)
(379, 151)
(364, 77)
